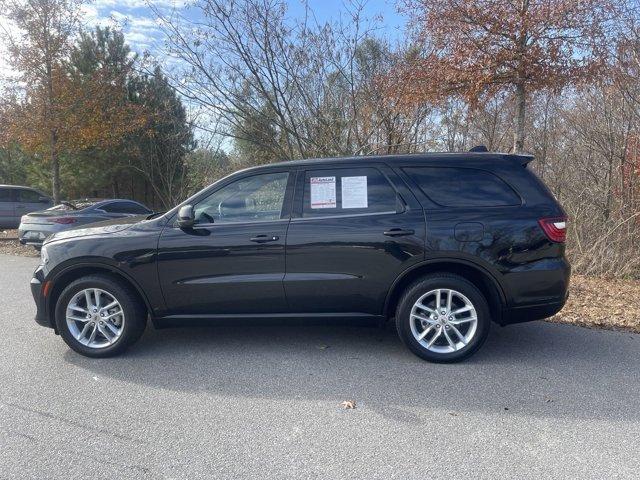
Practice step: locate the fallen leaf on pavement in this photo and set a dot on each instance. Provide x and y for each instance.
(348, 404)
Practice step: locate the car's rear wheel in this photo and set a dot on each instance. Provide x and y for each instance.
(98, 316)
(443, 318)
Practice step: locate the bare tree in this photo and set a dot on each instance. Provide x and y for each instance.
(475, 48)
(289, 89)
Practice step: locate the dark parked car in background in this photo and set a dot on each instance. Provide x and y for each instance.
(445, 243)
(37, 226)
(15, 201)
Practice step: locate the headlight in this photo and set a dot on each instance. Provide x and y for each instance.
(44, 256)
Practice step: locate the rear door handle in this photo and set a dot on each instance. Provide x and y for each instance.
(264, 238)
(399, 232)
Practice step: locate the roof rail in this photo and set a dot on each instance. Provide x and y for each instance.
(479, 148)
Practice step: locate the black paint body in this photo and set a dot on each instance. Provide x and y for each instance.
(341, 265)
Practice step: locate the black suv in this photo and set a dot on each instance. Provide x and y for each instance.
(445, 243)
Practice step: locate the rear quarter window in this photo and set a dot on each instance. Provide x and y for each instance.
(463, 187)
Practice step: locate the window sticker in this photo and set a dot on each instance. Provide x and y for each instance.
(323, 192)
(354, 192)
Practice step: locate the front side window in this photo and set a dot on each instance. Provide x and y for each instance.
(463, 187)
(250, 199)
(347, 191)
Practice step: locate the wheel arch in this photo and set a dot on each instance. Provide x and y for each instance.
(72, 272)
(476, 274)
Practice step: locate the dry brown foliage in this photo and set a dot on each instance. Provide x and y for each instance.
(602, 302)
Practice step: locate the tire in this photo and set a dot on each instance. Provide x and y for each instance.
(130, 323)
(449, 347)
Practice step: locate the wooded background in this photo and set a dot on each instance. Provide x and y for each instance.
(248, 84)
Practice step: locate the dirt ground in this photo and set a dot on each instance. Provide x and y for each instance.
(9, 244)
(593, 301)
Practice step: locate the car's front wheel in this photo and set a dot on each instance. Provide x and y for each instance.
(443, 318)
(98, 316)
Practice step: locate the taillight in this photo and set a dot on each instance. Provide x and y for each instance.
(554, 228)
(63, 220)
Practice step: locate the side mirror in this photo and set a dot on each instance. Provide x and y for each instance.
(186, 217)
(44, 200)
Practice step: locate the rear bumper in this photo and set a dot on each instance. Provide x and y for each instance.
(531, 312)
(35, 233)
(37, 290)
(538, 292)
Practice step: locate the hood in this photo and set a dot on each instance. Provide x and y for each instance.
(98, 228)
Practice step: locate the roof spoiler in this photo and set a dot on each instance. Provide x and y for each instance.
(478, 148)
(523, 158)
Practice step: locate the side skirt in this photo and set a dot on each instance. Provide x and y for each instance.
(173, 321)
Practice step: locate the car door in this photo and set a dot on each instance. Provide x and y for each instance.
(354, 231)
(233, 260)
(7, 208)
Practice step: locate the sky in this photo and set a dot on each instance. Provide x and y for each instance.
(136, 19)
(142, 33)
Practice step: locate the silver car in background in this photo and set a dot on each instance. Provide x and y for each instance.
(37, 226)
(15, 201)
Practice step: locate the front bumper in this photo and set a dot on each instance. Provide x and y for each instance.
(37, 290)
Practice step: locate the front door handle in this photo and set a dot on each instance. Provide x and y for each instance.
(399, 232)
(264, 238)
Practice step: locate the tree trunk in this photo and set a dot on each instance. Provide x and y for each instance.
(55, 168)
(518, 136)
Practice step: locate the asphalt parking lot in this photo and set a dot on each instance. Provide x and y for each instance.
(249, 400)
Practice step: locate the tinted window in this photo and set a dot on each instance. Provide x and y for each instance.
(260, 197)
(463, 187)
(6, 195)
(28, 196)
(134, 208)
(125, 207)
(110, 208)
(347, 191)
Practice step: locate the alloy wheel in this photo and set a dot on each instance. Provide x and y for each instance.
(95, 318)
(443, 320)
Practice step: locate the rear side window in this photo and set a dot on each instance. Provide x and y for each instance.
(125, 207)
(463, 187)
(347, 191)
(28, 196)
(135, 208)
(6, 195)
